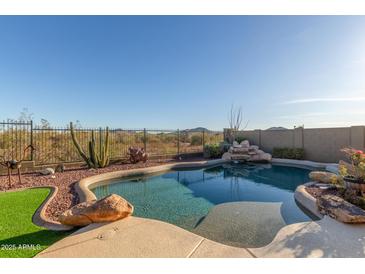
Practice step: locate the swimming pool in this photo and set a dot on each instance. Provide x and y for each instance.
(242, 205)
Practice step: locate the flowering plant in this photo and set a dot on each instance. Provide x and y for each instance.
(357, 168)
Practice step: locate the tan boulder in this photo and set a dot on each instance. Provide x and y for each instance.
(226, 156)
(245, 144)
(240, 157)
(108, 209)
(239, 150)
(339, 209)
(323, 177)
(265, 157)
(236, 145)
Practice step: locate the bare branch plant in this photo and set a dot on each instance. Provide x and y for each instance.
(235, 121)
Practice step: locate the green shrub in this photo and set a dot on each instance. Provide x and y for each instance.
(299, 154)
(212, 151)
(240, 139)
(196, 140)
(224, 146)
(288, 153)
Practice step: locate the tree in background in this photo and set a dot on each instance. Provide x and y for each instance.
(235, 121)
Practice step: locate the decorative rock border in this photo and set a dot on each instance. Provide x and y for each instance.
(40, 218)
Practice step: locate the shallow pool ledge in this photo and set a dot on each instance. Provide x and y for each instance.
(83, 187)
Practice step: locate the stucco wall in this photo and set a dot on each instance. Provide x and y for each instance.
(320, 144)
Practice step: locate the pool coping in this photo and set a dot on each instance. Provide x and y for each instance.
(306, 200)
(330, 167)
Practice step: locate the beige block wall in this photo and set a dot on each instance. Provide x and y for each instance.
(358, 137)
(320, 144)
(252, 135)
(276, 138)
(324, 144)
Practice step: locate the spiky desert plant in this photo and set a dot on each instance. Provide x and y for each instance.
(93, 160)
(104, 157)
(79, 148)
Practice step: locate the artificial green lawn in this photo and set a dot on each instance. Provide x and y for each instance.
(19, 237)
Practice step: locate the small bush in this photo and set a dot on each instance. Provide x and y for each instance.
(196, 140)
(288, 153)
(212, 151)
(240, 139)
(224, 146)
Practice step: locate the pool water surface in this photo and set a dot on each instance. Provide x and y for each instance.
(242, 205)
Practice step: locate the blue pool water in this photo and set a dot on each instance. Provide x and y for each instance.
(241, 205)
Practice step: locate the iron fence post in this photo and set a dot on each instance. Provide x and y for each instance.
(31, 141)
(145, 139)
(203, 139)
(178, 142)
(100, 141)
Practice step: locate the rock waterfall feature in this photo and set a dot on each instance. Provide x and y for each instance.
(246, 152)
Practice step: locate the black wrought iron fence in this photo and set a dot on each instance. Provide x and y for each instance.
(14, 138)
(54, 145)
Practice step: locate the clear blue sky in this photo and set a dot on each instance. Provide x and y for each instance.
(184, 72)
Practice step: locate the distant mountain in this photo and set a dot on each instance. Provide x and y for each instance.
(197, 129)
(277, 128)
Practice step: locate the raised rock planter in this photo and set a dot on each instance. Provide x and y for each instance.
(328, 199)
(339, 209)
(108, 209)
(306, 200)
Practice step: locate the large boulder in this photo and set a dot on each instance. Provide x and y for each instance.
(47, 171)
(236, 144)
(264, 157)
(245, 144)
(240, 157)
(227, 156)
(239, 150)
(323, 177)
(108, 209)
(339, 209)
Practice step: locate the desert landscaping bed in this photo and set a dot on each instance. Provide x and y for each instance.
(66, 196)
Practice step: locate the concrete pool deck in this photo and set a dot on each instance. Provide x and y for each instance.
(143, 238)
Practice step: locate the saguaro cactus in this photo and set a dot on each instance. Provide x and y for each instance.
(93, 160)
